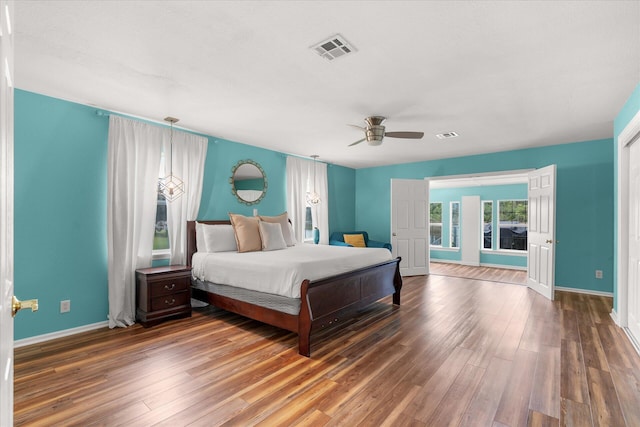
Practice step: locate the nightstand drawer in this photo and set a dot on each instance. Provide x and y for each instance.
(169, 301)
(168, 287)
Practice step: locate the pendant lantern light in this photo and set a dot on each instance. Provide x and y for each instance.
(171, 186)
(313, 198)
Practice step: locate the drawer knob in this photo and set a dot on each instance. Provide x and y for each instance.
(170, 288)
(167, 302)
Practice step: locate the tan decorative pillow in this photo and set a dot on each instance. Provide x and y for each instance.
(356, 240)
(283, 220)
(247, 232)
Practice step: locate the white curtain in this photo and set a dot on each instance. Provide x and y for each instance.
(300, 173)
(134, 153)
(189, 153)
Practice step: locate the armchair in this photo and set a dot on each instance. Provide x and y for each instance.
(337, 238)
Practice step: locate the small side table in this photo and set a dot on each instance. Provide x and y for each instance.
(162, 293)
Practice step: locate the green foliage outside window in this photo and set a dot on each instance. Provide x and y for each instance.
(435, 212)
(488, 212)
(513, 211)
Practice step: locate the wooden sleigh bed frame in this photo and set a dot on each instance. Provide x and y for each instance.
(323, 302)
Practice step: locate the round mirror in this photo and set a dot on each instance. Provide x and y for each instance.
(248, 182)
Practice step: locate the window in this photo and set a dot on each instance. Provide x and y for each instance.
(455, 225)
(308, 224)
(487, 225)
(435, 226)
(161, 236)
(513, 224)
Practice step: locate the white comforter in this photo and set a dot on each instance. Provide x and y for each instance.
(282, 272)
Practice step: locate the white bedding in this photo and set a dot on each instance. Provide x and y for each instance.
(282, 272)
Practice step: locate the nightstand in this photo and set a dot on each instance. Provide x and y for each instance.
(162, 293)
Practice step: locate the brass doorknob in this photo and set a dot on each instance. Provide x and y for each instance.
(394, 234)
(551, 241)
(17, 305)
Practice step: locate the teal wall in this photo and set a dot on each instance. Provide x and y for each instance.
(486, 193)
(342, 203)
(584, 200)
(60, 212)
(60, 246)
(629, 110)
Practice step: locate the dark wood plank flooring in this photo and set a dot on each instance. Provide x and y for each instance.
(457, 352)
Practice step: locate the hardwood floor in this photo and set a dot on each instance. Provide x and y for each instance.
(492, 274)
(457, 352)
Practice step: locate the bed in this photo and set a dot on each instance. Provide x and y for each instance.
(322, 302)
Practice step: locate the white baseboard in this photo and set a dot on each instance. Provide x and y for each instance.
(584, 291)
(59, 334)
(634, 343)
(614, 316)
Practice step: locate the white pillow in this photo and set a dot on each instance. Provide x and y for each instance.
(201, 246)
(271, 235)
(287, 230)
(219, 238)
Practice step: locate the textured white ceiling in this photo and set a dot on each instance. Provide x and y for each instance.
(503, 74)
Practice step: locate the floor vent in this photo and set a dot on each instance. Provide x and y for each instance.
(334, 47)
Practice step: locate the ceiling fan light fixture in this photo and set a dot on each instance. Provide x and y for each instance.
(375, 132)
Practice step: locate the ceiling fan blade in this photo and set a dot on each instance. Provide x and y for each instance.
(357, 142)
(358, 127)
(409, 135)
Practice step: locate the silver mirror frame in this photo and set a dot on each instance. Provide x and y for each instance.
(233, 186)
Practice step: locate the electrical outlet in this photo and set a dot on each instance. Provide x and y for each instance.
(598, 274)
(65, 306)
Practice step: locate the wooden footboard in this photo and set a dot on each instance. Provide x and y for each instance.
(329, 301)
(323, 302)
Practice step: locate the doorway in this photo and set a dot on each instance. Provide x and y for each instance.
(471, 246)
(628, 230)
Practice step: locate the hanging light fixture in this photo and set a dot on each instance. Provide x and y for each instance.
(313, 198)
(171, 186)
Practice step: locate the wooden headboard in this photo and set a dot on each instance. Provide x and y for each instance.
(191, 236)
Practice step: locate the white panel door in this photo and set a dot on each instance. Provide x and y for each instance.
(470, 230)
(6, 214)
(541, 230)
(634, 241)
(410, 225)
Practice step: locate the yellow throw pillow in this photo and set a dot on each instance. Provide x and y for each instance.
(247, 232)
(356, 240)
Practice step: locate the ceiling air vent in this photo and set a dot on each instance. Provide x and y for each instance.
(446, 135)
(334, 47)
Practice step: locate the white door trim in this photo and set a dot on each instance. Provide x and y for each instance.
(629, 134)
(6, 212)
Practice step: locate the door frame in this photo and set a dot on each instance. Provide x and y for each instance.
(495, 174)
(6, 212)
(629, 134)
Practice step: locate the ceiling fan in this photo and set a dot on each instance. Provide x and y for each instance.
(374, 132)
